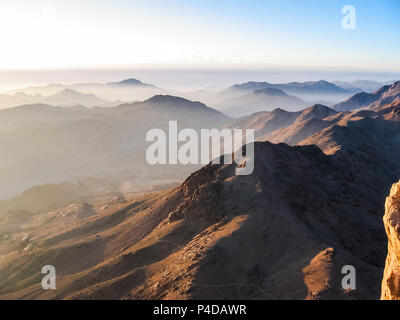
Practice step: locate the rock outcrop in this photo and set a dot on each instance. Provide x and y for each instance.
(391, 277)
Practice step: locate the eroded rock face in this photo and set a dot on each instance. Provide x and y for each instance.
(391, 277)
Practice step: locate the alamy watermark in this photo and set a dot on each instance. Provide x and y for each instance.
(349, 20)
(186, 147)
(349, 280)
(49, 280)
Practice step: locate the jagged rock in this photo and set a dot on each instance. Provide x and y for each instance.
(391, 277)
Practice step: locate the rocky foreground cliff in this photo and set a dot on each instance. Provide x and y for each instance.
(391, 277)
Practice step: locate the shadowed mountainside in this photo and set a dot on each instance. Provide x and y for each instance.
(284, 232)
(279, 125)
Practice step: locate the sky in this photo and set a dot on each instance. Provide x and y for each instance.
(196, 35)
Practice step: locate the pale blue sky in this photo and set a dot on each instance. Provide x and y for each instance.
(185, 34)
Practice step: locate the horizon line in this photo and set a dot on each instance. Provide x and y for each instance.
(194, 68)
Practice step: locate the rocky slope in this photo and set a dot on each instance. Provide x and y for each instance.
(265, 122)
(279, 122)
(283, 232)
(381, 97)
(311, 120)
(391, 277)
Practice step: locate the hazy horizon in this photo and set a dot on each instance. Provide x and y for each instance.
(190, 45)
(181, 79)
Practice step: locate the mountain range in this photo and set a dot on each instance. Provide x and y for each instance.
(362, 85)
(46, 144)
(260, 100)
(381, 97)
(63, 98)
(126, 90)
(308, 91)
(131, 89)
(313, 204)
(284, 232)
(274, 125)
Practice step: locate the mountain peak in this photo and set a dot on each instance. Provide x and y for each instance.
(132, 82)
(251, 85)
(71, 93)
(176, 104)
(323, 82)
(316, 111)
(395, 86)
(279, 111)
(318, 107)
(161, 98)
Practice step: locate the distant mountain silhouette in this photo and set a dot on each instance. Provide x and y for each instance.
(132, 82)
(48, 144)
(265, 99)
(312, 91)
(383, 96)
(310, 87)
(63, 98)
(361, 85)
(69, 97)
(126, 90)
